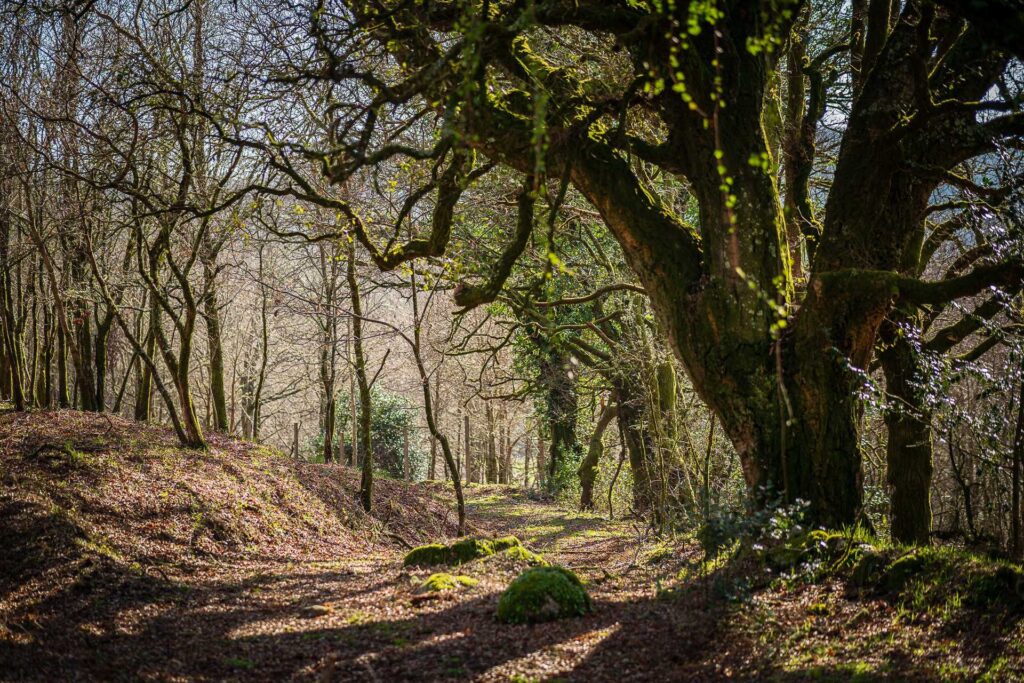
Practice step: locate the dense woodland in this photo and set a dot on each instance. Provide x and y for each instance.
(690, 264)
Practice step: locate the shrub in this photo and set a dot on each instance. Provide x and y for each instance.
(543, 594)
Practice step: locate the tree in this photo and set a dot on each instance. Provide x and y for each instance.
(683, 90)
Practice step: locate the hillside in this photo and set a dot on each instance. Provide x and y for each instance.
(107, 523)
(127, 558)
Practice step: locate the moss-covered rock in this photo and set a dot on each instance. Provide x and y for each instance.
(521, 554)
(899, 573)
(429, 555)
(469, 549)
(505, 543)
(1002, 586)
(437, 583)
(659, 554)
(868, 569)
(460, 552)
(543, 594)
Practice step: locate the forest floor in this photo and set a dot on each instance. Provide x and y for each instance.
(125, 558)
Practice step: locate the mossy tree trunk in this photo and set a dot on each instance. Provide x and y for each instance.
(13, 380)
(589, 467)
(557, 376)
(144, 385)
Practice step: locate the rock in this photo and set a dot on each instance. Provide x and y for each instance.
(543, 594)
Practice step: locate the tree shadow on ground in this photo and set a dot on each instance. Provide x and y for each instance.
(114, 624)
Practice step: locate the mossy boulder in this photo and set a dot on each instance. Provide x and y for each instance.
(460, 552)
(868, 569)
(659, 554)
(505, 543)
(899, 573)
(427, 556)
(543, 594)
(440, 582)
(520, 554)
(469, 549)
(1002, 586)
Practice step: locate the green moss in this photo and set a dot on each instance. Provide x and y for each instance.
(900, 572)
(461, 552)
(469, 549)
(445, 582)
(521, 554)
(505, 543)
(427, 556)
(868, 569)
(1003, 585)
(543, 594)
(659, 554)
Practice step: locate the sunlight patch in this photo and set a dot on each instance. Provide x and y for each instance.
(557, 659)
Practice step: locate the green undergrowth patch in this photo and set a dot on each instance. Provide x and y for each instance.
(943, 582)
(543, 594)
(464, 551)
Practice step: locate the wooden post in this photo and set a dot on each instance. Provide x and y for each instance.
(433, 459)
(341, 457)
(527, 447)
(541, 468)
(469, 456)
(405, 452)
(295, 440)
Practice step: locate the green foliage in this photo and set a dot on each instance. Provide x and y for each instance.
(543, 594)
(440, 582)
(919, 580)
(659, 554)
(390, 416)
(770, 526)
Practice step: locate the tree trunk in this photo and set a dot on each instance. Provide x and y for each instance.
(100, 353)
(214, 344)
(12, 345)
(909, 448)
(144, 385)
(363, 428)
(492, 453)
(589, 467)
(562, 406)
(1016, 541)
(469, 442)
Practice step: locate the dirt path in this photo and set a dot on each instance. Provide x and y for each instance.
(353, 616)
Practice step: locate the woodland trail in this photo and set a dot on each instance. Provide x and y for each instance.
(125, 559)
(357, 619)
